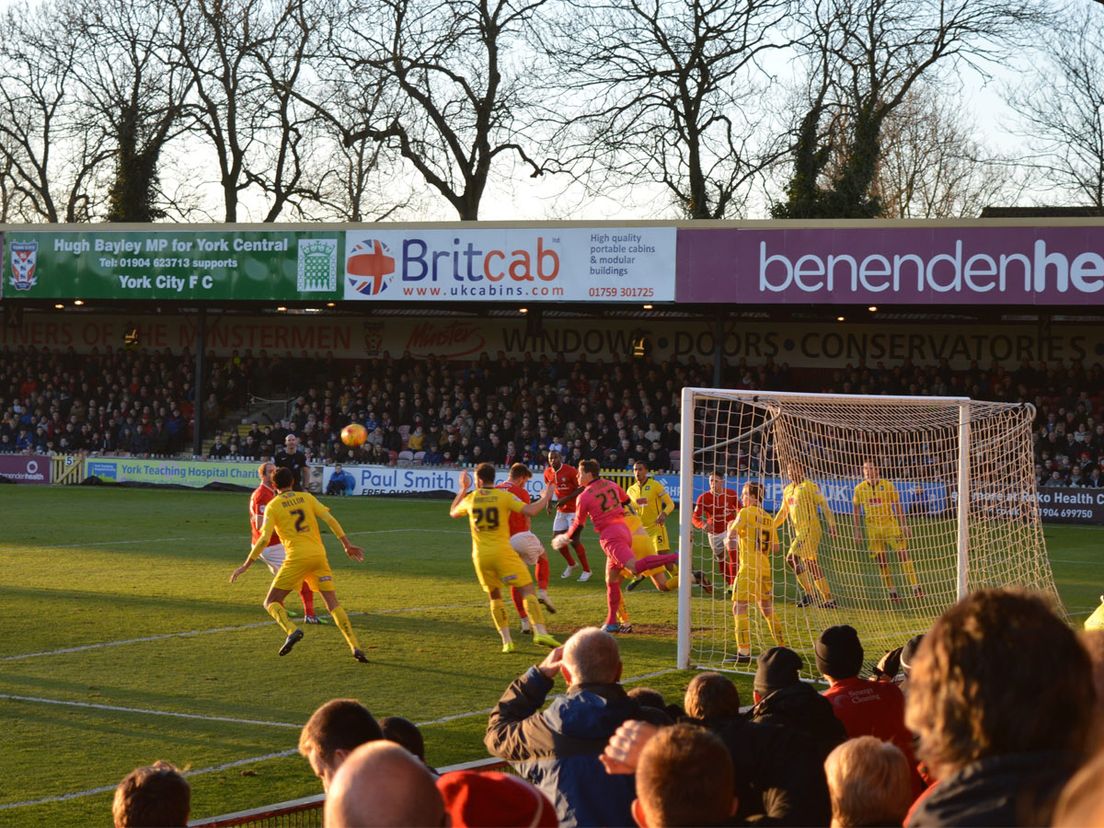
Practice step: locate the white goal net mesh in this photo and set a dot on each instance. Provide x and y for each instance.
(867, 492)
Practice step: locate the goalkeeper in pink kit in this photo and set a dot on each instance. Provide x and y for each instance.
(604, 501)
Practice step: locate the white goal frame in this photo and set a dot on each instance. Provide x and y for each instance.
(961, 502)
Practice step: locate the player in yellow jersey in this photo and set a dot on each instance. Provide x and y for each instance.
(752, 538)
(803, 503)
(497, 565)
(876, 500)
(294, 516)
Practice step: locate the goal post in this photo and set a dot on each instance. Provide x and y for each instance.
(887, 510)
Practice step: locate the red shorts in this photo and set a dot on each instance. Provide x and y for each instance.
(616, 542)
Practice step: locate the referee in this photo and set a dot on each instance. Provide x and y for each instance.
(295, 461)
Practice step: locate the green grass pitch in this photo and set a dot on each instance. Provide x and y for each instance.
(119, 601)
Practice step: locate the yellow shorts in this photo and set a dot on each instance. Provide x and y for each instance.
(660, 540)
(805, 546)
(314, 570)
(501, 569)
(881, 539)
(642, 547)
(753, 584)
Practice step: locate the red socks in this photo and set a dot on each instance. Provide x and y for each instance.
(519, 602)
(544, 570)
(652, 561)
(613, 600)
(308, 598)
(580, 550)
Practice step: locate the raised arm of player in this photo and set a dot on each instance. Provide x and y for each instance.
(783, 511)
(534, 508)
(456, 510)
(267, 527)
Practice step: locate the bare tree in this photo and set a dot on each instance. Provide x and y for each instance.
(53, 169)
(864, 57)
(456, 86)
(1062, 107)
(670, 92)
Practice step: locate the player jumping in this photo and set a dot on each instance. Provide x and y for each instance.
(877, 500)
(603, 501)
(801, 500)
(566, 480)
(526, 544)
(294, 516)
(496, 563)
(274, 554)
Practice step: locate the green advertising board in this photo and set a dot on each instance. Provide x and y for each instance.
(170, 264)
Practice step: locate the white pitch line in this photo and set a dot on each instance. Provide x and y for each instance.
(235, 535)
(146, 712)
(106, 788)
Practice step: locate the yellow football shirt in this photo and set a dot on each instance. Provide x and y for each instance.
(650, 501)
(800, 501)
(877, 502)
(294, 516)
(757, 535)
(488, 512)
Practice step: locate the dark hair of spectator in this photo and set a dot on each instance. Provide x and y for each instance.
(153, 796)
(339, 724)
(999, 673)
(405, 733)
(711, 696)
(647, 697)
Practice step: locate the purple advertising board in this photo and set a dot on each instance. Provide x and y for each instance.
(893, 265)
(25, 468)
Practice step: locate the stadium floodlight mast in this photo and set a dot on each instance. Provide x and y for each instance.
(968, 517)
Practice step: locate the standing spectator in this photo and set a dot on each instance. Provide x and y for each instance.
(1001, 746)
(157, 796)
(334, 731)
(382, 784)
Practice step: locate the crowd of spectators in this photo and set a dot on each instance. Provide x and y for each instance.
(503, 410)
(968, 742)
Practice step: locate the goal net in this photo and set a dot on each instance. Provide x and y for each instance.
(872, 534)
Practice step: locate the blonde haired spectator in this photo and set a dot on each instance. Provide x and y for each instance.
(870, 783)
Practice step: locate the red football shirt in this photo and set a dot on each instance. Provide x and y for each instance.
(713, 512)
(566, 480)
(519, 522)
(257, 501)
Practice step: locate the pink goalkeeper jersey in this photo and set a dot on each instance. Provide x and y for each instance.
(601, 500)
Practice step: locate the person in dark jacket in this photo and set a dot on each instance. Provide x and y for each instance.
(782, 699)
(557, 749)
(1001, 695)
(779, 773)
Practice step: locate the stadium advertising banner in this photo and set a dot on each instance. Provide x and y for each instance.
(800, 345)
(193, 473)
(407, 480)
(1058, 504)
(171, 264)
(511, 264)
(220, 264)
(893, 265)
(25, 468)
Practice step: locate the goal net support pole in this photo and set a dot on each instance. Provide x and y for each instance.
(900, 507)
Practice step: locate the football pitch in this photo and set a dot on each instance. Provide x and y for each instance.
(123, 642)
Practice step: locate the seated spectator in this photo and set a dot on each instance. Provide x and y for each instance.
(382, 784)
(557, 749)
(487, 799)
(334, 731)
(779, 776)
(866, 708)
(1002, 745)
(870, 782)
(152, 797)
(405, 733)
(341, 482)
(781, 698)
(684, 776)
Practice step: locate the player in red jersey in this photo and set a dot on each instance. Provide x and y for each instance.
(714, 510)
(274, 554)
(566, 482)
(603, 501)
(526, 544)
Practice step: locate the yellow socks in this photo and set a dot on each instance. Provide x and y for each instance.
(342, 620)
(280, 616)
(887, 579)
(536, 612)
(823, 588)
(910, 572)
(743, 632)
(805, 581)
